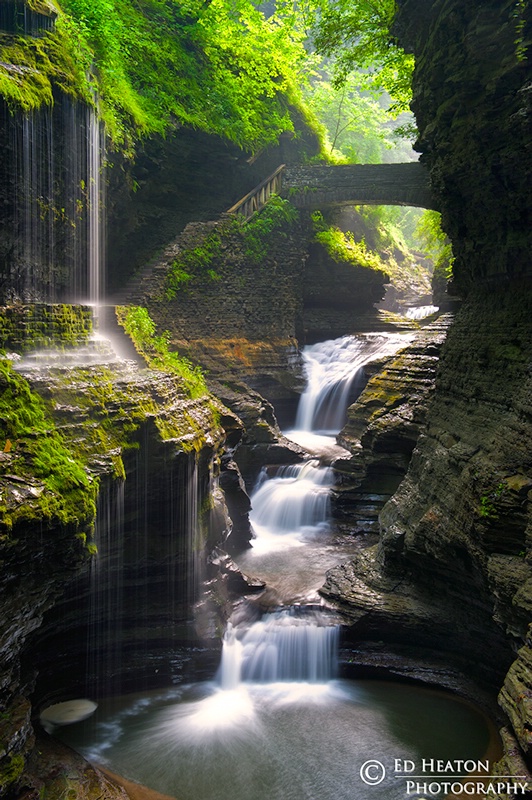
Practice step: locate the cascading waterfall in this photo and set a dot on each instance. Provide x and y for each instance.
(335, 377)
(420, 312)
(293, 501)
(286, 646)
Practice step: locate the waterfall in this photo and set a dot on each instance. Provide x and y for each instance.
(335, 377)
(192, 542)
(293, 501)
(286, 646)
(106, 594)
(34, 251)
(55, 178)
(95, 238)
(297, 497)
(420, 312)
(230, 670)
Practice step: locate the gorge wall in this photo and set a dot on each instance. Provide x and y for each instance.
(146, 458)
(453, 569)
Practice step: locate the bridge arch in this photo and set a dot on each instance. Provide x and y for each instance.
(403, 184)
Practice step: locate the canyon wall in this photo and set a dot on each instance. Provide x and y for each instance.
(453, 570)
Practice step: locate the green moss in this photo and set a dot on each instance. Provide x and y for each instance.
(30, 327)
(342, 247)
(11, 771)
(106, 426)
(137, 322)
(32, 67)
(36, 450)
(42, 7)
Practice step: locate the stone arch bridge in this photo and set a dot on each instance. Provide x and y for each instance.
(405, 184)
(323, 185)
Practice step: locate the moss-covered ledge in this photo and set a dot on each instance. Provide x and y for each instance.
(26, 327)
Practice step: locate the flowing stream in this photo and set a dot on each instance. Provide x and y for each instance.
(335, 378)
(277, 723)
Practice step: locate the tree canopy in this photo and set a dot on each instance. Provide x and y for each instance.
(230, 67)
(357, 34)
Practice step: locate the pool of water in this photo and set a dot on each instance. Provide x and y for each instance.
(280, 741)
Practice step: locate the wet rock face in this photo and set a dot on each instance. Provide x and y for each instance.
(472, 101)
(336, 294)
(64, 614)
(453, 573)
(383, 428)
(29, 587)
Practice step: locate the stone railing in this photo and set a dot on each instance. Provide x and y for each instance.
(254, 200)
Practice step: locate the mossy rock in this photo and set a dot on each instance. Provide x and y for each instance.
(30, 327)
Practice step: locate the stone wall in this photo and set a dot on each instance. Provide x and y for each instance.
(358, 184)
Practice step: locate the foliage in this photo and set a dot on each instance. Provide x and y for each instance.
(342, 247)
(518, 13)
(359, 128)
(354, 122)
(38, 450)
(137, 322)
(277, 217)
(357, 33)
(437, 245)
(488, 502)
(221, 66)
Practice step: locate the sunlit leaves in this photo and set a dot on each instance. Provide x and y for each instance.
(357, 34)
(219, 65)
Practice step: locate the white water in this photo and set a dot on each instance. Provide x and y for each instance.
(420, 312)
(335, 377)
(286, 646)
(292, 505)
(95, 235)
(59, 162)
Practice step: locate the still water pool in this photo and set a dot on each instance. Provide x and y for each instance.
(279, 741)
